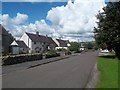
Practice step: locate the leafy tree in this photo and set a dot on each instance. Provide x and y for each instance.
(74, 46)
(107, 33)
(89, 45)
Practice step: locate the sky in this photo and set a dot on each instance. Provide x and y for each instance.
(70, 20)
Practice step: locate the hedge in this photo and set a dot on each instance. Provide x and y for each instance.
(20, 59)
(52, 55)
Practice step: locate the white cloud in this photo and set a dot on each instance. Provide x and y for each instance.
(18, 25)
(20, 18)
(14, 24)
(75, 18)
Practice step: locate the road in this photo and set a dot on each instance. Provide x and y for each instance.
(72, 72)
(25, 65)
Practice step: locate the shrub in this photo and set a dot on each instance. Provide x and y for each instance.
(51, 54)
(61, 49)
(68, 52)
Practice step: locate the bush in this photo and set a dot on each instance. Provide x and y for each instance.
(61, 49)
(51, 54)
(68, 52)
(109, 56)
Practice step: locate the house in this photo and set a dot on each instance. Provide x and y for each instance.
(82, 47)
(5, 40)
(104, 50)
(38, 43)
(19, 47)
(61, 44)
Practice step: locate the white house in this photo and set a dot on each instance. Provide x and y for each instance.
(18, 47)
(61, 44)
(104, 50)
(38, 43)
(82, 47)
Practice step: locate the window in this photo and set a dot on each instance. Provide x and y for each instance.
(43, 44)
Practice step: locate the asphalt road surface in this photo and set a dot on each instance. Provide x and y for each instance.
(25, 65)
(72, 72)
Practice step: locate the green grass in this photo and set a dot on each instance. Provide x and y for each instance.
(108, 68)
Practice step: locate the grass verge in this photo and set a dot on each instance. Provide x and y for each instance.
(108, 68)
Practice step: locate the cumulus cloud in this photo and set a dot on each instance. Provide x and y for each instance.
(76, 18)
(18, 25)
(73, 21)
(20, 18)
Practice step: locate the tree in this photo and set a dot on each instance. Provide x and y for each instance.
(107, 33)
(74, 46)
(89, 45)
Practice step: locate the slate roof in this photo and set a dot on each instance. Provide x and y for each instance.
(40, 38)
(21, 44)
(63, 43)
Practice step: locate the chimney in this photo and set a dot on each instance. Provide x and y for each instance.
(37, 33)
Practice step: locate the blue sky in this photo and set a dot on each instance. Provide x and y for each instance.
(35, 11)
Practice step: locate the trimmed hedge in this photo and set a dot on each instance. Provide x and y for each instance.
(108, 56)
(20, 59)
(52, 55)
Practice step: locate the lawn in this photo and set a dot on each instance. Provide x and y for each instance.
(108, 68)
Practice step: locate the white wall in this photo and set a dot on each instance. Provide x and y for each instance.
(27, 41)
(39, 45)
(14, 43)
(56, 42)
(31, 44)
(61, 48)
(82, 49)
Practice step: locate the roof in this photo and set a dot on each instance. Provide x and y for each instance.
(63, 43)
(40, 38)
(21, 44)
(3, 31)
